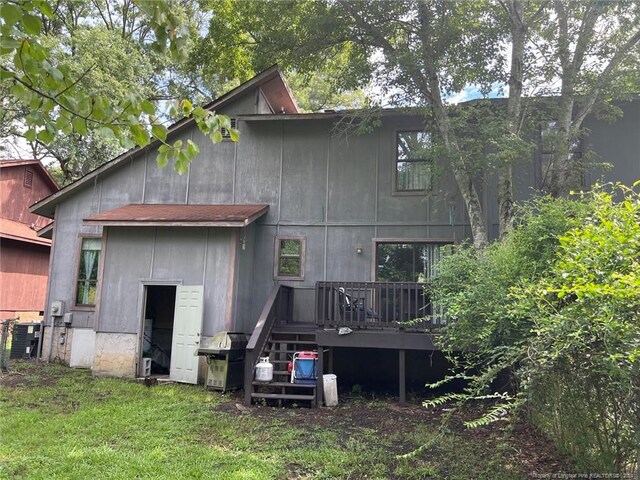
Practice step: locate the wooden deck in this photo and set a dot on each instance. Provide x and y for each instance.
(384, 315)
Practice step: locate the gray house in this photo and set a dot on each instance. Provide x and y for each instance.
(288, 235)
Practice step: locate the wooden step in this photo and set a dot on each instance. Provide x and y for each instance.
(293, 342)
(271, 350)
(283, 396)
(299, 328)
(283, 384)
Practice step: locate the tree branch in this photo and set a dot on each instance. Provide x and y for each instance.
(604, 77)
(85, 73)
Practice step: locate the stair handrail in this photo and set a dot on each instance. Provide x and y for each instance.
(278, 305)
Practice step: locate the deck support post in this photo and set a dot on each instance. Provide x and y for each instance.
(402, 377)
(330, 361)
(319, 372)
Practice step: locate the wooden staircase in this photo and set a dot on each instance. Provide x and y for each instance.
(280, 346)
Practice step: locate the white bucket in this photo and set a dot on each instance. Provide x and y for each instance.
(330, 388)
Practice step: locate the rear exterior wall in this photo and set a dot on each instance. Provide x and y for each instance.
(336, 192)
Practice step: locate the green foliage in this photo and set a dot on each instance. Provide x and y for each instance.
(82, 79)
(586, 337)
(418, 53)
(474, 285)
(318, 91)
(550, 315)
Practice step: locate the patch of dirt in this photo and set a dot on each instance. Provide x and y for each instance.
(520, 445)
(24, 373)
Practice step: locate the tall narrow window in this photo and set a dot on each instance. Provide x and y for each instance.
(413, 165)
(289, 264)
(88, 272)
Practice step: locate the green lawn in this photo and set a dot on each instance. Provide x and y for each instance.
(60, 423)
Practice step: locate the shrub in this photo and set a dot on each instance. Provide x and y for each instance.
(585, 343)
(556, 306)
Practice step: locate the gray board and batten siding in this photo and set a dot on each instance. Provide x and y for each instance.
(336, 192)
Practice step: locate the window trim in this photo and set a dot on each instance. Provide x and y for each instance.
(376, 241)
(74, 304)
(276, 258)
(395, 191)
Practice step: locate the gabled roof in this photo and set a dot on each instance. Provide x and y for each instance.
(275, 89)
(21, 232)
(37, 166)
(159, 215)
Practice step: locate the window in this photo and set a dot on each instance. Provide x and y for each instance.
(87, 284)
(290, 253)
(413, 166)
(28, 178)
(407, 261)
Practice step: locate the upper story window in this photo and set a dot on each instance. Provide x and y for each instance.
(289, 256)
(413, 165)
(28, 178)
(87, 283)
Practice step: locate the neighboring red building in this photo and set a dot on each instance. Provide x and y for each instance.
(24, 256)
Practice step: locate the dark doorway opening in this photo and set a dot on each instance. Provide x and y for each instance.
(157, 328)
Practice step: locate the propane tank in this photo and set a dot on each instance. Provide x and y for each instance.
(264, 370)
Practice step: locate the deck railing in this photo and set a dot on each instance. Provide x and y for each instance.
(397, 305)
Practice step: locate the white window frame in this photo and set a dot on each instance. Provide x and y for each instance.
(76, 280)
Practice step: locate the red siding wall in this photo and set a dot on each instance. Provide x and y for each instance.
(23, 277)
(15, 198)
(24, 266)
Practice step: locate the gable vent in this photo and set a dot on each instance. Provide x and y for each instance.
(225, 133)
(28, 178)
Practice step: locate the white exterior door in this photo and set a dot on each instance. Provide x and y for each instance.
(187, 326)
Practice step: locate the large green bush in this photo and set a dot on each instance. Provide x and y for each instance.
(556, 306)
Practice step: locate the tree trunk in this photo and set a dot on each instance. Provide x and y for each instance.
(515, 10)
(463, 178)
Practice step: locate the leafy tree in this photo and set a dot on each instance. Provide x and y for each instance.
(585, 340)
(591, 50)
(418, 52)
(319, 91)
(86, 79)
